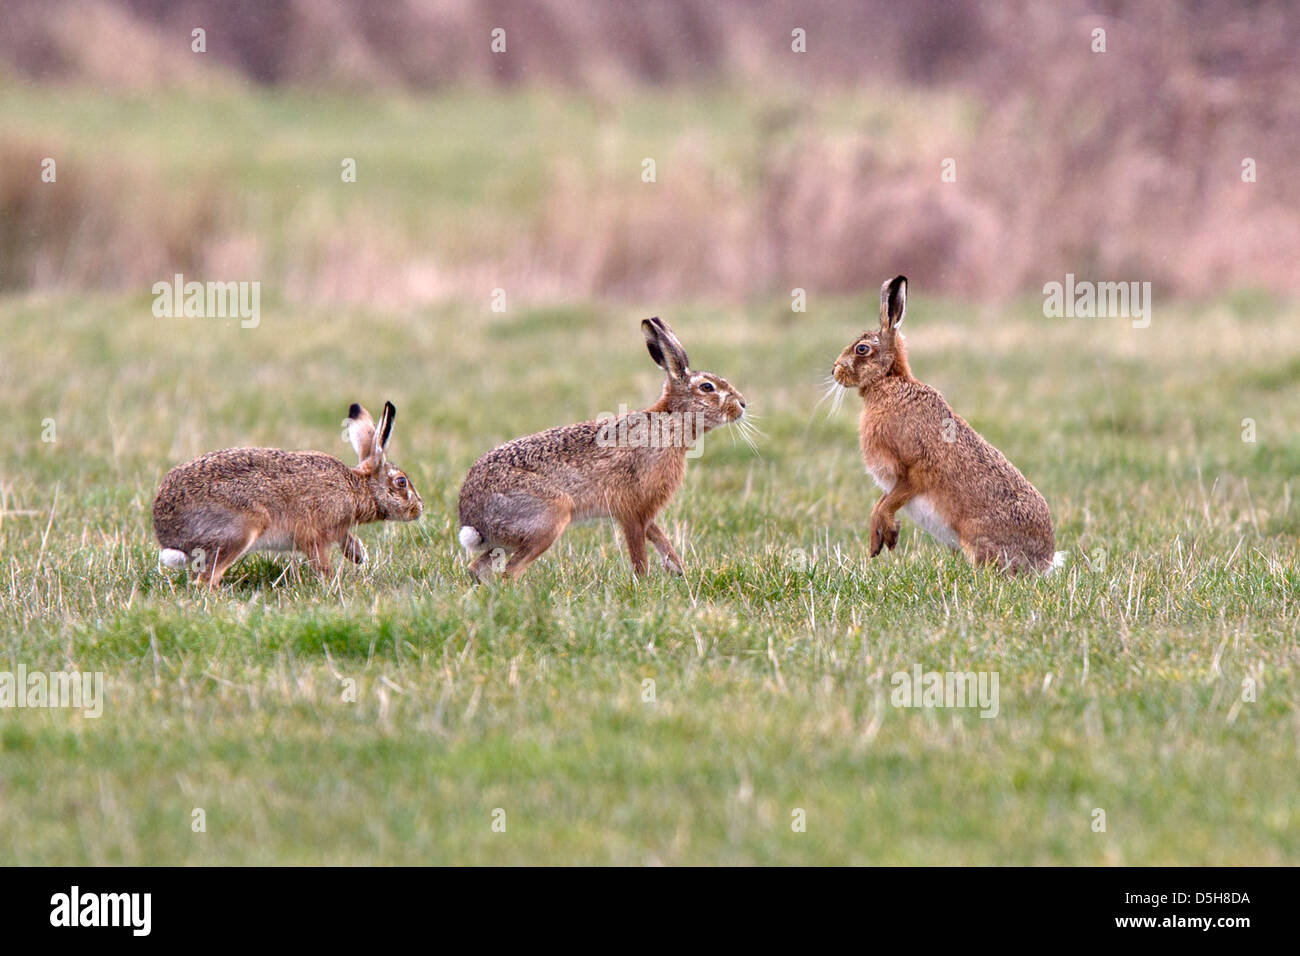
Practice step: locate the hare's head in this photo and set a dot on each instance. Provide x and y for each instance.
(709, 399)
(395, 497)
(876, 353)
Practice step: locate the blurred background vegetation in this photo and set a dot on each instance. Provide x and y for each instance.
(775, 169)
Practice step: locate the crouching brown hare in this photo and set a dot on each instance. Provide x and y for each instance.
(519, 497)
(213, 510)
(931, 464)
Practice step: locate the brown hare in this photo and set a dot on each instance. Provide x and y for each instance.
(931, 464)
(519, 497)
(211, 511)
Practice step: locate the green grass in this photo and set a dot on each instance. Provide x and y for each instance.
(452, 174)
(1120, 678)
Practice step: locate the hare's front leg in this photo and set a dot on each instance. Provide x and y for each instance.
(353, 549)
(672, 563)
(317, 548)
(884, 529)
(884, 526)
(635, 533)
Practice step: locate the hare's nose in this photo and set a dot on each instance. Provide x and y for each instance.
(742, 403)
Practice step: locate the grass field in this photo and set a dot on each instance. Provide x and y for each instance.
(454, 195)
(1120, 678)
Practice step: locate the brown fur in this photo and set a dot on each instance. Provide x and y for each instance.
(921, 451)
(519, 497)
(219, 506)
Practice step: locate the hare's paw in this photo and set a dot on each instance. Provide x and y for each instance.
(671, 566)
(354, 550)
(884, 532)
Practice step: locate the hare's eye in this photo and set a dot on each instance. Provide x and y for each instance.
(863, 349)
(706, 386)
(400, 482)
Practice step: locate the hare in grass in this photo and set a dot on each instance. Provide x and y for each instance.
(211, 511)
(519, 497)
(931, 464)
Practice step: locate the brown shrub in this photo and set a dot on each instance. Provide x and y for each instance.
(98, 228)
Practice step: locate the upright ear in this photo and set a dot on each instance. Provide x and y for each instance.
(361, 431)
(893, 303)
(665, 349)
(383, 432)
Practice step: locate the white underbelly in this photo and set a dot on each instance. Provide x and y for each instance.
(273, 541)
(923, 512)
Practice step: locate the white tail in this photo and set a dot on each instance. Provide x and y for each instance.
(470, 539)
(171, 558)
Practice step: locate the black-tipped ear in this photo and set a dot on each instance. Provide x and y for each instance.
(652, 342)
(665, 348)
(384, 431)
(373, 455)
(893, 303)
(361, 431)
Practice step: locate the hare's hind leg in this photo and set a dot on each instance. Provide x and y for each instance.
(226, 551)
(985, 549)
(522, 523)
(542, 538)
(482, 567)
(672, 562)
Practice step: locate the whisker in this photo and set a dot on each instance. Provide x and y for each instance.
(746, 432)
(836, 393)
(827, 392)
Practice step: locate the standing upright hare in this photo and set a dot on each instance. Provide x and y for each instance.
(211, 511)
(933, 466)
(519, 497)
